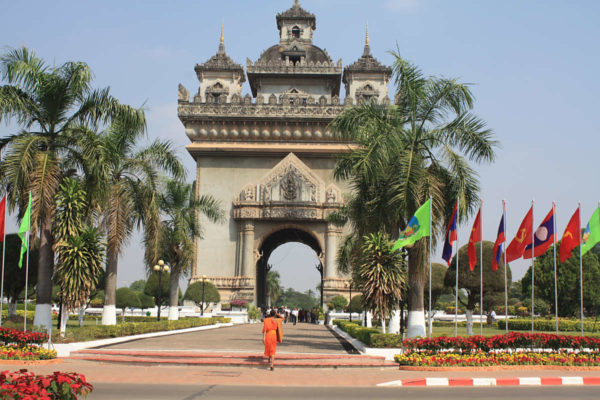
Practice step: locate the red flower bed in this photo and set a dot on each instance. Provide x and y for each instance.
(21, 338)
(511, 340)
(27, 385)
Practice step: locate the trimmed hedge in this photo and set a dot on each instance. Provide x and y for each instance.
(356, 331)
(136, 328)
(549, 325)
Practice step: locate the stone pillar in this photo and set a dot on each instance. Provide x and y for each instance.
(331, 244)
(248, 269)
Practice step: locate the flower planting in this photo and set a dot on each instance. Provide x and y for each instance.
(513, 348)
(19, 345)
(27, 385)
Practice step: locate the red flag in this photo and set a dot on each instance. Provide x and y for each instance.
(2, 217)
(475, 237)
(570, 238)
(523, 237)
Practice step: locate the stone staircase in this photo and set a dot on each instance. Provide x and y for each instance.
(174, 357)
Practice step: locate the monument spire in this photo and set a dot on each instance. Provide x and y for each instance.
(222, 41)
(367, 50)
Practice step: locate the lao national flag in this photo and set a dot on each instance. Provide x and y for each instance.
(497, 251)
(543, 237)
(450, 236)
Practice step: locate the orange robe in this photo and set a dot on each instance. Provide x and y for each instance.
(270, 327)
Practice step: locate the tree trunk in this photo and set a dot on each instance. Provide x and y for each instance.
(63, 320)
(109, 311)
(416, 283)
(174, 293)
(12, 309)
(469, 322)
(383, 325)
(369, 319)
(394, 325)
(81, 314)
(43, 306)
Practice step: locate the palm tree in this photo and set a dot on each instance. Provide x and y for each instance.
(178, 232)
(273, 285)
(416, 149)
(52, 105)
(128, 179)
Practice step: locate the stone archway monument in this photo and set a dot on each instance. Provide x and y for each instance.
(269, 157)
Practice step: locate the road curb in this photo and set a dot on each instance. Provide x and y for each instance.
(520, 381)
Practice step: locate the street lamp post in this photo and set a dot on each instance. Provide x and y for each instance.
(320, 269)
(202, 309)
(350, 302)
(160, 267)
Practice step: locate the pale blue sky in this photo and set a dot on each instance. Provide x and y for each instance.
(534, 65)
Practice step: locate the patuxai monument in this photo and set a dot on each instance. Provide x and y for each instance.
(268, 155)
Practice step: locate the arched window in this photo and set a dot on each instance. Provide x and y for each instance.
(296, 32)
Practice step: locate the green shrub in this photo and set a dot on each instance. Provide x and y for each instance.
(548, 325)
(339, 302)
(386, 340)
(356, 331)
(253, 313)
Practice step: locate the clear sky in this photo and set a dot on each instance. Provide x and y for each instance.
(534, 66)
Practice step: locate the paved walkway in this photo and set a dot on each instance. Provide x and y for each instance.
(301, 338)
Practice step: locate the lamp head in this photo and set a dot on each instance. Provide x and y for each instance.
(166, 268)
(157, 267)
(161, 262)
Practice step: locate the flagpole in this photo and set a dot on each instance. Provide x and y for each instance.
(481, 267)
(555, 285)
(457, 249)
(505, 269)
(580, 272)
(26, 279)
(532, 270)
(3, 256)
(430, 324)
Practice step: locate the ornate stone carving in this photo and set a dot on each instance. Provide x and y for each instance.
(289, 187)
(331, 196)
(291, 180)
(257, 255)
(183, 94)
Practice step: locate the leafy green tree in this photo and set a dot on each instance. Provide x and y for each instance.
(273, 287)
(151, 288)
(145, 300)
(292, 298)
(194, 293)
(179, 230)
(79, 248)
(127, 298)
(382, 275)
(339, 302)
(405, 153)
(138, 285)
(53, 105)
(97, 300)
(567, 283)
(14, 277)
(438, 286)
(356, 304)
(469, 281)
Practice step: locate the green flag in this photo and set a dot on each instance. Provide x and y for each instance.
(24, 231)
(418, 227)
(591, 234)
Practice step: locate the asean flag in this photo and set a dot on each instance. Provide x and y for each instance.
(500, 239)
(450, 236)
(542, 238)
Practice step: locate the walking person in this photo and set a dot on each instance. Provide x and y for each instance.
(270, 338)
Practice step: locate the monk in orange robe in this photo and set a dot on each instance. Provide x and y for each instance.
(270, 337)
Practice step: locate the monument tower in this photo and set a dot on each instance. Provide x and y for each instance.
(268, 157)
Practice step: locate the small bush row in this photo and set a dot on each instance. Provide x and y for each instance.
(356, 331)
(20, 338)
(31, 352)
(504, 358)
(543, 324)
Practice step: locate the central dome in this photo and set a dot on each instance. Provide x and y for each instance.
(294, 51)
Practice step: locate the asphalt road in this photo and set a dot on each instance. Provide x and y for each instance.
(192, 392)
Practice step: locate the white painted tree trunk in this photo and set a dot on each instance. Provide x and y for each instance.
(173, 313)
(81, 314)
(394, 324)
(383, 325)
(109, 314)
(64, 317)
(415, 326)
(369, 319)
(43, 316)
(469, 322)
